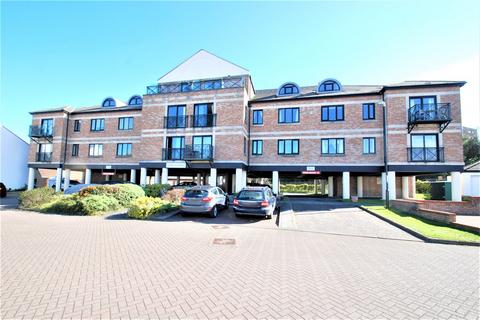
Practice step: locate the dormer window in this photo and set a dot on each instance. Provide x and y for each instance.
(288, 89)
(109, 102)
(135, 101)
(329, 85)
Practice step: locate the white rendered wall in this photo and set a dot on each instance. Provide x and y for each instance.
(13, 159)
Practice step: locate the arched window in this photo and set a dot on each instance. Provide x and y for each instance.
(135, 101)
(109, 102)
(288, 88)
(329, 85)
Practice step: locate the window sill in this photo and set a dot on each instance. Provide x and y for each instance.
(369, 154)
(97, 130)
(288, 123)
(288, 155)
(95, 156)
(117, 156)
(327, 121)
(125, 129)
(333, 155)
(257, 124)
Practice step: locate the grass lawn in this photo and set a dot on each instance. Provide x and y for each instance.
(425, 227)
(423, 196)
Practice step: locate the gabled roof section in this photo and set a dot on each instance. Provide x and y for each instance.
(203, 65)
(474, 167)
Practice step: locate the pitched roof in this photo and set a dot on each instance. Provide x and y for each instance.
(203, 65)
(474, 167)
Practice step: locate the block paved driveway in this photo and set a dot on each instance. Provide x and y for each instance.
(335, 217)
(91, 267)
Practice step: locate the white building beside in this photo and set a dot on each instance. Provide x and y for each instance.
(13, 159)
(471, 180)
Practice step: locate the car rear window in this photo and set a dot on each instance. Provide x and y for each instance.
(250, 195)
(196, 194)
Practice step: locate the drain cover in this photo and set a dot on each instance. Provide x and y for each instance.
(224, 241)
(220, 227)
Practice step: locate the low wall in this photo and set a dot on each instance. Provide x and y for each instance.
(415, 207)
(471, 208)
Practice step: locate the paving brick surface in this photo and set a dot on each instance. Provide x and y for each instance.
(91, 267)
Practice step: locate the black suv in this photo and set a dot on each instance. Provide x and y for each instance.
(256, 201)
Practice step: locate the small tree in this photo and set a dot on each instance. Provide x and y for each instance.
(471, 150)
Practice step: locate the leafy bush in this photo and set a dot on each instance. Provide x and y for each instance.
(422, 186)
(297, 188)
(123, 193)
(64, 204)
(156, 190)
(35, 198)
(174, 195)
(144, 207)
(98, 204)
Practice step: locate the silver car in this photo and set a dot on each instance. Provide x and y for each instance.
(204, 199)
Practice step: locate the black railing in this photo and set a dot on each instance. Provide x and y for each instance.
(425, 155)
(188, 86)
(190, 152)
(429, 113)
(203, 120)
(175, 122)
(40, 132)
(44, 156)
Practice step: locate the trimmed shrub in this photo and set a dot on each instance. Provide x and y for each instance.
(144, 207)
(64, 204)
(32, 199)
(422, 186)
(98, 204)
(156, 189)
(123, 193)
(174, 195)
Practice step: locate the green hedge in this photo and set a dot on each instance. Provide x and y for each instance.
(123, 193)
(144, 207)
(423, 186)
(33, 199)
(98, 204)
(297, 188)
(156, 189)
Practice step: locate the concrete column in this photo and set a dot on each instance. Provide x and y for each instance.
(107, 178)
(414, 186)
(330, 186)
(275, 182)
(133, 175)
(360, 186)
(143, 176)
(384, 185)
(157, 175)
(315, 186)
(58, 180)
(244, 178)
(456, 186)
(31, 178)
(233, 182)
(405, 187)
(178, 179)
(66, 184)
(164, 175)
(391, 185)
(124, 177)
(346, 185)
(199, 178)
(238, 179)
(213, 177)
(88, 176)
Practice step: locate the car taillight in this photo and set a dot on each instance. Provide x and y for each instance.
(235, 201)
(207, 199)
(184, 199)
(264, 204)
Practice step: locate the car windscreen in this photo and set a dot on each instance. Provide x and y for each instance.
(196, 193)
(250, 195)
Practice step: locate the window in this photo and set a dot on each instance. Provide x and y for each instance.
(257, 147)
(124, 149)
(329, 85)
(423, 101)
(203, 115)
(257, 116)
(288, 89)
(76, 126)
(47, 127)
(423, 108)
(176, 117)
(289, 115)
(95, 150)
(424, 147)
(97, 124)
(75, 148)
(45, 152)
(175, 148)
(368, 145)
(212, 84)
(202, 147)
(288, 147)
(125, 123)
(333, 113)
(135, 101)
(109, 102)
(368, 111)
(333, 146)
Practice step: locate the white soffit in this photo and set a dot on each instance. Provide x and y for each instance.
(203, 65)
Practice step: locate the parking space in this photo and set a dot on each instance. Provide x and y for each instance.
(336, 217)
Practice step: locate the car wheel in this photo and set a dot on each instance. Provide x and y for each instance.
(226, 204)
(268, 216)
(214, 212)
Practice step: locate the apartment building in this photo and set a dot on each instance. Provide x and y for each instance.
(205, 120)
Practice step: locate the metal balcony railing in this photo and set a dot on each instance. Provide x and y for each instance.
(429, 113)
(188, 86)
(425, 154)
(189, 153)
(175, 122)
(40, 132)
(44, 156)
(203, 120)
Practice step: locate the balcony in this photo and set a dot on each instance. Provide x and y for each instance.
(196, 152)
(203, 121)
(425, 155)
(429, 113)
(216, 84)
(37, 132)
(175, 122)
(44, 156)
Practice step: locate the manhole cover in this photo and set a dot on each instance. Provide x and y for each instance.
(224, 241)
(219, 227)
